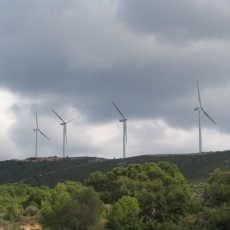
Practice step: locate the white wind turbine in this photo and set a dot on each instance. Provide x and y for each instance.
(199, 109)
(64, 132)
(124, 130)
(38, 130)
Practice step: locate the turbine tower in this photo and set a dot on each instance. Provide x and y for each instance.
(198, 110)
(124, 130)
(38, 130)
(64, 132)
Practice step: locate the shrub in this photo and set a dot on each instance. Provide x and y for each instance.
(13, 214)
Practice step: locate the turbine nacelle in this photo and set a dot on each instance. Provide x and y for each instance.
(62, 124)
(197, 108)
(122, 120)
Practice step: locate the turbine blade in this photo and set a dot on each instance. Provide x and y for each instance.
(209, 117)
(195, 113)
(36, 119)
(58, 116)
(71, 119)
(119, 111)
(198, 93)
(43, 134)
(131, 117)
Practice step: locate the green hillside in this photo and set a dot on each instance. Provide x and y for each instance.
(49, 171)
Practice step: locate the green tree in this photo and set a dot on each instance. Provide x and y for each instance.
(124, 215)
(64, 211)
(210, 218)
(162, 192)
(36, 196)
(83, 210)
(215, 212)
(217, 190)
(51, 215)
(72, 187)
(13, 213)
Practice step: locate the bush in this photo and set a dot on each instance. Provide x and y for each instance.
(13, 214)
(210, 218)
(7, 225)
(217, 190)
(124, 215)
(161, 190)
(81, 211)
(31, 210)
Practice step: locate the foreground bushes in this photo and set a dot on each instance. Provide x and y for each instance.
(139, 197)
(124, 215)
(79, 208)
(162, 192)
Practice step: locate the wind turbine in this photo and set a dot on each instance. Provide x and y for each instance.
(124, 130)
(198, 110)
(64, 131)
(38, 130)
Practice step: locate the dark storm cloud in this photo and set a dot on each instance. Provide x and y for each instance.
(33, 61)
(146, 56)
(178, 20)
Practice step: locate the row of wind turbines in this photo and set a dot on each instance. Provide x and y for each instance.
(64, 133)
(197, 110)
(124, 120)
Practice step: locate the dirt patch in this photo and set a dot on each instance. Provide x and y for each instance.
(28, 227)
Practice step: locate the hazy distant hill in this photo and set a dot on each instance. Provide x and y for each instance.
(49, 171)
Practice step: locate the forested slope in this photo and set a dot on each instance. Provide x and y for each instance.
(195, 167)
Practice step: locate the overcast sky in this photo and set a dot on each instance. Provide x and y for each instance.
(75, 57)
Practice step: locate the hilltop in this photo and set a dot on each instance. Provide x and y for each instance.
(48, 171)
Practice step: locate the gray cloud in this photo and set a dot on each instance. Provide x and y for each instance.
(78, 56)
(179, 20)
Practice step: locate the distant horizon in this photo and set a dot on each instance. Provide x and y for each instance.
(155, 154)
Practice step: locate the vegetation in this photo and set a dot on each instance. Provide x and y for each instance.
(196, 168)
(217, 190)
(124, 215)
(150, 195)
(15, 207)
(67, 209)
(214, 211)
(161, 190)
(46, 171)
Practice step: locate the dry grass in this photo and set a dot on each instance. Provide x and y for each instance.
(28, 227)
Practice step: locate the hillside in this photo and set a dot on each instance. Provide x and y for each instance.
(49, 171)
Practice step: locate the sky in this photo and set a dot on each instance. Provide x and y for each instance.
(75, 57)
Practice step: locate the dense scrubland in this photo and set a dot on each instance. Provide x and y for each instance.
(146, 192)
(49, 171)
